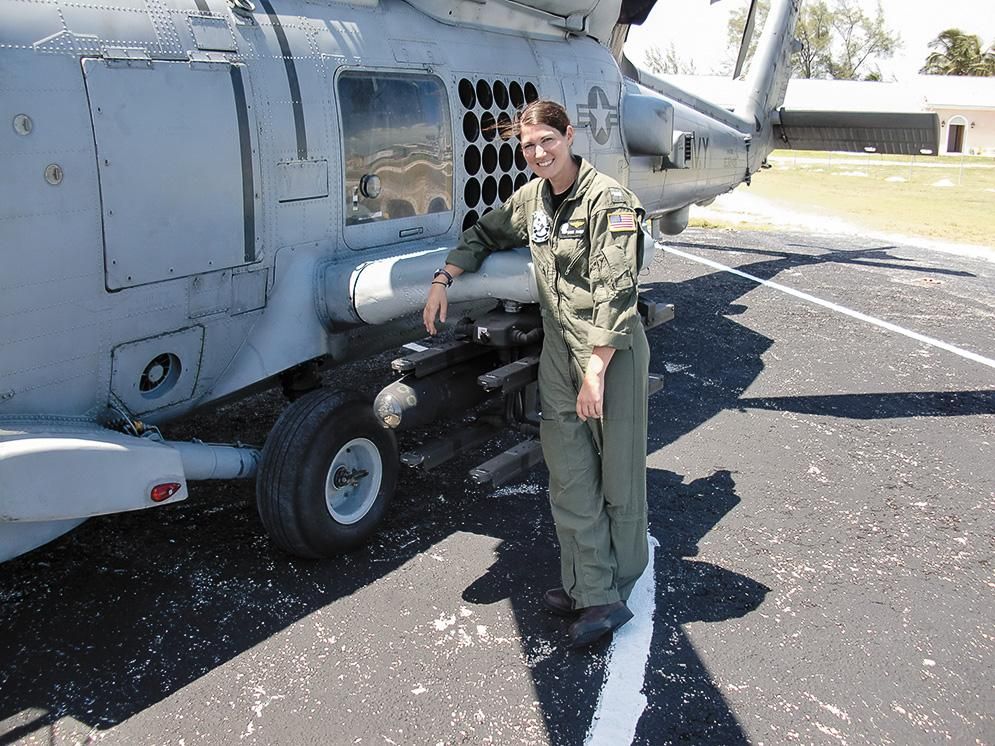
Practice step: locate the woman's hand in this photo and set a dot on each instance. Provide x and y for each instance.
(590, 399)
(436, 306)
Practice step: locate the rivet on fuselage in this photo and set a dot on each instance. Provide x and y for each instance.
(23, 124)
(53, 174)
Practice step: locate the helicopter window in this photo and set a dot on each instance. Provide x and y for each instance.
(398, 146)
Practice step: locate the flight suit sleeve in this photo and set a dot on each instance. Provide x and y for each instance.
(616, 238)
(497, 230)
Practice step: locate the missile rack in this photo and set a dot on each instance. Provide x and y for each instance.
(491, 368)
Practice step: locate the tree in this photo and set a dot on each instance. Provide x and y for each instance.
(837, 39)
(667, 62)
(958, 53)
(814, 32)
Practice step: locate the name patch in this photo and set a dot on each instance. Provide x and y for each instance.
(573, 229)
(617, 195)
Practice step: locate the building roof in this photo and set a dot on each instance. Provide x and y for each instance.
(919, 93)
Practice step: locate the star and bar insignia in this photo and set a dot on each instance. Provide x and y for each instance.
(622, 221)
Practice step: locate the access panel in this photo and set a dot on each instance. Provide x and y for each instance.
(174, 157)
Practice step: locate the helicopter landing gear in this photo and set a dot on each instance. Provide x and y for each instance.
(301, 380)
(327, 474)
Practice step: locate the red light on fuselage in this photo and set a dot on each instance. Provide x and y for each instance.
(164, 491)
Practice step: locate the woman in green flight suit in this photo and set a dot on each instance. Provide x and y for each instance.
(583, 230)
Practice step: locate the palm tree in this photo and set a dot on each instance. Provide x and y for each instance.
(986, 65)
(958, 53)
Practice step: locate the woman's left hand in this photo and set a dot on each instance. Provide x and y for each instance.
(591, 397)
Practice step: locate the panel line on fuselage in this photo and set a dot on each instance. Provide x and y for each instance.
(245, 147)
(295, 86)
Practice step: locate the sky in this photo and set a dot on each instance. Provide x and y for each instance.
(698, 30)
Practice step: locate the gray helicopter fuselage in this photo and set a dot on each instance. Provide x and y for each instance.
(206, 197)
(178, 174)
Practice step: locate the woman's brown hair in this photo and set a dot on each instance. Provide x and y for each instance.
(542, 111)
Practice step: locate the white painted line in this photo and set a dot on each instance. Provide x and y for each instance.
(838, 308)
(622, 701)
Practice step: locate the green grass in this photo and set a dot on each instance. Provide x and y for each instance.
(904, 159)
(857, 188)
(710, 223)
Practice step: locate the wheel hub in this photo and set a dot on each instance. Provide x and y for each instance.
(345, 478)
(353, 481)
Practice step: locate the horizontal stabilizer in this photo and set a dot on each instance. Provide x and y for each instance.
(904, 133)
(540, 18)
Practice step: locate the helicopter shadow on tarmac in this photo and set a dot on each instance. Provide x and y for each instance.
(128, 611)
(120, 614)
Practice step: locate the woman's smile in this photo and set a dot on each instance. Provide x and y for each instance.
(547, 151)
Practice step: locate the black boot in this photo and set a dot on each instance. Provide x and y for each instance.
(597, 621)
(559, 602)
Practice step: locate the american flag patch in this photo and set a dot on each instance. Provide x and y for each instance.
(622, 221)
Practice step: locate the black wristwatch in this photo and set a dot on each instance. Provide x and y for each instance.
(449, 277)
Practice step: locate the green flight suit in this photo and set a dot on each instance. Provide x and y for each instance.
(586, 259)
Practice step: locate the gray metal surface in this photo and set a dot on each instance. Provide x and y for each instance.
(394, 287)
(353, 481)
(174, 209)
(860, 131)
(210, 461)
(178, 355)
(212, 154)
(58, 470)
(648, 125)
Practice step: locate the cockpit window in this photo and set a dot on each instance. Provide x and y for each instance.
(398, 146)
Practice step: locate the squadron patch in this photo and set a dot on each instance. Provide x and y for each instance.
(622, 221)
(573, 229)
(540, 227)
(617, 195)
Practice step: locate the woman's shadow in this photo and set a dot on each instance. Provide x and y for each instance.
(684, 703)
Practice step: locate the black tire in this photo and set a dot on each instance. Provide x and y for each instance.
(319, 430)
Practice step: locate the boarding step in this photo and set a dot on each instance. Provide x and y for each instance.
(511, 377)
(654, 385)
(432, 360)
(654, 314)
(510, 465)
(437, 452)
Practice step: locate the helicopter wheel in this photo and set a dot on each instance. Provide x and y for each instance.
(327, 474)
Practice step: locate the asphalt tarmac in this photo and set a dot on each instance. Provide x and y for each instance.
(821, 494)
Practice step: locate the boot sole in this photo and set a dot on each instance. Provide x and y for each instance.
(594, 633)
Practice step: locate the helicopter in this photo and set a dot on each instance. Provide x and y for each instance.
(206, 198)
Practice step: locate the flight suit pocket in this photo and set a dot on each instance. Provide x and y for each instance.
(569, 254)
(611, 273)
(570, 453)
